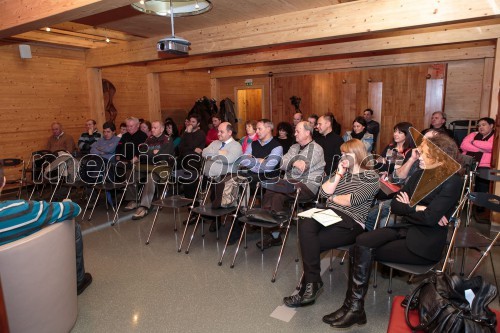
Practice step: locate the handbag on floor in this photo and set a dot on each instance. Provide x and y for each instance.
(450, 303)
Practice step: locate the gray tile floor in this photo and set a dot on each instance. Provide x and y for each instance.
(153, 288)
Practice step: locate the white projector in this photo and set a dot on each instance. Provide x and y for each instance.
(174, 45)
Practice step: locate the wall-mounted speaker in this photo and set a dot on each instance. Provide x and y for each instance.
(25, 51)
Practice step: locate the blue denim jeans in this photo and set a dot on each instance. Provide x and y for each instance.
(80, 267)
(372, 215)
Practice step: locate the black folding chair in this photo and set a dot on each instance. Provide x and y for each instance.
(279, 187)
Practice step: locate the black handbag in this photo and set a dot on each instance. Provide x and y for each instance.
(442, 306)
(264, 215)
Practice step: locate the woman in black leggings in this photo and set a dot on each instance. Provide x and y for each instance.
(421, 237)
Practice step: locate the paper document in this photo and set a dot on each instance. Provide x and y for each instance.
(324, 216)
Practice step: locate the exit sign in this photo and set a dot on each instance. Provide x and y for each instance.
(248, 82)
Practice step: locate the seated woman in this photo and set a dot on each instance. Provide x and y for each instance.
(251, 128)
(419, 240)
(172, 132)
(401, 146)
(285, 136)
(360, 132)
(350, 193)
(480, 146)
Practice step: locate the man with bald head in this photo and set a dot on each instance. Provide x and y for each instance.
(222, 154)
(297, 118)
(158, 149)
(60, 140)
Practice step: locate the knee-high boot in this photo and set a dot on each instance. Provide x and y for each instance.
(355, 295)
(330, 318)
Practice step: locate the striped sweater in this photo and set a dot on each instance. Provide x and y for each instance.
(20, 218)
(363, 187)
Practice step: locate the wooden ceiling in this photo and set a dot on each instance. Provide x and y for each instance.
(124, 24)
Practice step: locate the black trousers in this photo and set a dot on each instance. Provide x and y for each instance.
(390, 245)
(315, 238)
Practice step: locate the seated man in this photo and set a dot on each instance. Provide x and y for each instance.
(263, 156)
(20, 218)
(88, 138)
(329, 141)
(127, 150)
(60, 140)
(128, 147)
(304, 164)
(105, 147)
(222, 154)
(100, 153)
(157, 149)
(190, 148)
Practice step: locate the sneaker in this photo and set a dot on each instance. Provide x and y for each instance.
(270, 241)
(87, 280)
(130, 206)
(140, 213)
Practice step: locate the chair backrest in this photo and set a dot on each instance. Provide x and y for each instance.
(489, 174)
(39, 280)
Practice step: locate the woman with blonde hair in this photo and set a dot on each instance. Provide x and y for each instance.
(349, 192)
(419, 239)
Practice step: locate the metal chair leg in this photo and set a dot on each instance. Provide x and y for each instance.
(153, 225)
(243, 234)
(375, 275)
(95, 204)
(389, 291)
(87, 205)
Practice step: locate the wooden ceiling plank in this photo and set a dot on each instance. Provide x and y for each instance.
(434, 56)
(23, 16)
(446, 36)
(330, 22)
(87, 29)
(53, 38)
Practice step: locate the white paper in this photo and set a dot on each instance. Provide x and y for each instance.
(283, 313)
(326, 217)
(469, 296)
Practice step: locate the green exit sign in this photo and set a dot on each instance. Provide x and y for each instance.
(248, 82)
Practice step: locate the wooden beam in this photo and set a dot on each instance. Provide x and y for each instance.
(425, 56)
(445, 36)
(96, 97)
(495, 88)
(101, 32)
(23, 16)
(61, 39)
(324, 23)
(154, 102)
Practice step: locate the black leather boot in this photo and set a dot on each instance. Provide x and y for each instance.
(332, 317)
(359, 286)
(306, 296)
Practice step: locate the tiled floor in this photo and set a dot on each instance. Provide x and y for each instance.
(153, 288)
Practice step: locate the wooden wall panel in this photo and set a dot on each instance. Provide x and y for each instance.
(464, 89)
(180, 90)
(52, 86)
(131, 97)
(347, 94)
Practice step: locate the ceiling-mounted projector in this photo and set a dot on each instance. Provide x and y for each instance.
(173, 45)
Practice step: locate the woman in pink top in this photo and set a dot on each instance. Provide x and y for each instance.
(480, 146)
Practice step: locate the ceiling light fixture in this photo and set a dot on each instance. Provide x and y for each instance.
(47, 29)
(181, 7)
(107, 40)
